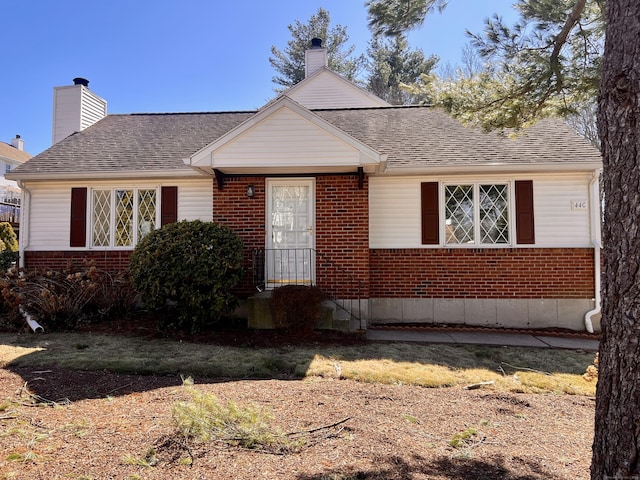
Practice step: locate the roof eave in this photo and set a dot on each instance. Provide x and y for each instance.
(126, 175)
(493, 168)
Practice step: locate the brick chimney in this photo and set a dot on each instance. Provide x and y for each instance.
(315, 57)
(18, 143)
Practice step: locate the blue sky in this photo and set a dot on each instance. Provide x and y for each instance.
(176, 55)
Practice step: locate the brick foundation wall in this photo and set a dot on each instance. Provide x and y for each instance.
(109, 260)
(552, 273)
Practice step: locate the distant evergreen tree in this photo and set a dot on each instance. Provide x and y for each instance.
(391, 64)
(289, 63)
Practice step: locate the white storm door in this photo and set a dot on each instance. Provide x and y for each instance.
(290, 220)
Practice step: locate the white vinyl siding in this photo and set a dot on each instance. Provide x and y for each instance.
(75, 108)
(395, 218)
(94, 108)
(286, 139)
(557, 224)
(326, 90)
(50, 207)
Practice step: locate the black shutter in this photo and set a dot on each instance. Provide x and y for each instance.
(169, 205)
(525, 224)
(430, 213)
(78, 234)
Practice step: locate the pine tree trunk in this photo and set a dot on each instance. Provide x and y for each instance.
(616, 448)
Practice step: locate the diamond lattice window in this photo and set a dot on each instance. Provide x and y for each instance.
(146, 212)
(101, 224)
(124, 218)
(459, 214)
(121, 217)
(494, 214)
(477, 214)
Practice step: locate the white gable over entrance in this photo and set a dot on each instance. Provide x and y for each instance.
(285, 137)
(326, 89)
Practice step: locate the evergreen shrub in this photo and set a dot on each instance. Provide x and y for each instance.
(192, 266)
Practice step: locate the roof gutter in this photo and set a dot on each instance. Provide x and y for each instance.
(133, 175)
(25, 214)
(392, 170)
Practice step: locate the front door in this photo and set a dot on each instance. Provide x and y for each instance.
(290, 258)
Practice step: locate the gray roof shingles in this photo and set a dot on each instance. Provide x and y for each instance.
(410, 136)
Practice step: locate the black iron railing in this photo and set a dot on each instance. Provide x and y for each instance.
(306, 266)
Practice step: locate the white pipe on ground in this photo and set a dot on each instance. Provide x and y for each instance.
(35, 326)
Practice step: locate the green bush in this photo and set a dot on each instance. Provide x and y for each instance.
(8, 239)
(192, 265)
(8, 246)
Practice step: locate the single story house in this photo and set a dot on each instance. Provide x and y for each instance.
(399, 212)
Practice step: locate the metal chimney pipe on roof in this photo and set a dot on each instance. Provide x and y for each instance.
(316, 43)
(81, 81)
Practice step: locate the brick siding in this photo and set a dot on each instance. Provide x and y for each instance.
(245, 216)
(341, 229)
(109, 260)
(483, 273)
(342, 236)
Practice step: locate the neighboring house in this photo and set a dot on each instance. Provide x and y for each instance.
(11, 155)
(401, 208)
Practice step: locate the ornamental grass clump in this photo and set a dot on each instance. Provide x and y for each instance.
(191, 265)
(204, 419)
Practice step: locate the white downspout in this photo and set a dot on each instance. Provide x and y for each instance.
(594, 192)
(25, 220)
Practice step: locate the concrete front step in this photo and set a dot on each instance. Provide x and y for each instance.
(259, 315)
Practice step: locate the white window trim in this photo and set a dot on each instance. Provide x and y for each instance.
(112, 219)
(476, 213)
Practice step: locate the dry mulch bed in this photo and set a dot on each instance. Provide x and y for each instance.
(98, 423)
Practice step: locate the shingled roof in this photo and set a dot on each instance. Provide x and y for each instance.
(12, 153)
(429, 137)
(415, 137)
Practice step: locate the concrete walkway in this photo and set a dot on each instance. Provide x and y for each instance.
(483, 338)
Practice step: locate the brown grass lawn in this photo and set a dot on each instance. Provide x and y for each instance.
(90, 406)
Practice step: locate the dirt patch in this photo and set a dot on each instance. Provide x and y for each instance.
(100, 425)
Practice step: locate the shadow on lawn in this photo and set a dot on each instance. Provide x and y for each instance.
(59, 385)
(145, 359)
(395, 467)
(147, 370)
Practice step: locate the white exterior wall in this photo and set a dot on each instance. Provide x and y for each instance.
(67, 102)
(50, 207)
(326, 90)
(75, 108)
(93, 109)
(394, 209)
(286, 139)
